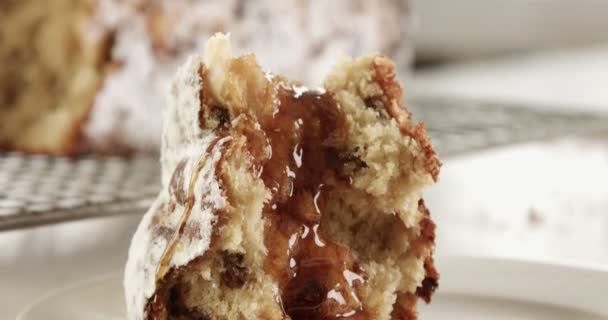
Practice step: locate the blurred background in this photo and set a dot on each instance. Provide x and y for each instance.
(514, 94)
(550, 52)
(542, 199)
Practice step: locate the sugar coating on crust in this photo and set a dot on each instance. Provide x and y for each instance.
(184, 150)
(159, 225)
(181, 129)
(216, 106)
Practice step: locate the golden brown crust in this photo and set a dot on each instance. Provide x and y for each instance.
(430, 282)
(393, 95)
(426, 241)
(432, 162)
(385, 76)
(424, 246)
(405, 307)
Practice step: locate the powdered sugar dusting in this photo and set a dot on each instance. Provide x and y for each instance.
(181, 127)
(144, 250)
(185, 143)
(159, 225)
(208, 199)
(298, 91)
(269, 76)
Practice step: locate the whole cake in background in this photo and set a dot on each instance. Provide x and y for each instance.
(92, 75)
(281, 202)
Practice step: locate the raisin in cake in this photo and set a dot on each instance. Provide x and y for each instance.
(280, 202)
(81, 75)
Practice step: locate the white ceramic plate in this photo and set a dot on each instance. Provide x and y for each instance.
(470, 288)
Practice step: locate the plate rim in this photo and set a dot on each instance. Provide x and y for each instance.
(67, 288)
(538, 261)
(539, 268)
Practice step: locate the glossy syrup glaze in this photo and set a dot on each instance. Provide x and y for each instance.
(303, 159)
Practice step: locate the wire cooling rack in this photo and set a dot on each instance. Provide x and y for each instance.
(37, 190)
(460, 126)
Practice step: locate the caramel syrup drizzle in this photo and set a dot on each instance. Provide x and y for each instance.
(165, 262)
(318, 278)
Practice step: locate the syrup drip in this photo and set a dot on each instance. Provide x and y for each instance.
(318, 278)
(165, 261)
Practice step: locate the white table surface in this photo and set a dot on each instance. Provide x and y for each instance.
(541, 201)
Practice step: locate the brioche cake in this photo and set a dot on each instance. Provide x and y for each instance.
(282, 202)
(92, 75)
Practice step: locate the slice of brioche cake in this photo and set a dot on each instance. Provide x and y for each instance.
(280, 202)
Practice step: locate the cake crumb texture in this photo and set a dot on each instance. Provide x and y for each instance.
(282, 202)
